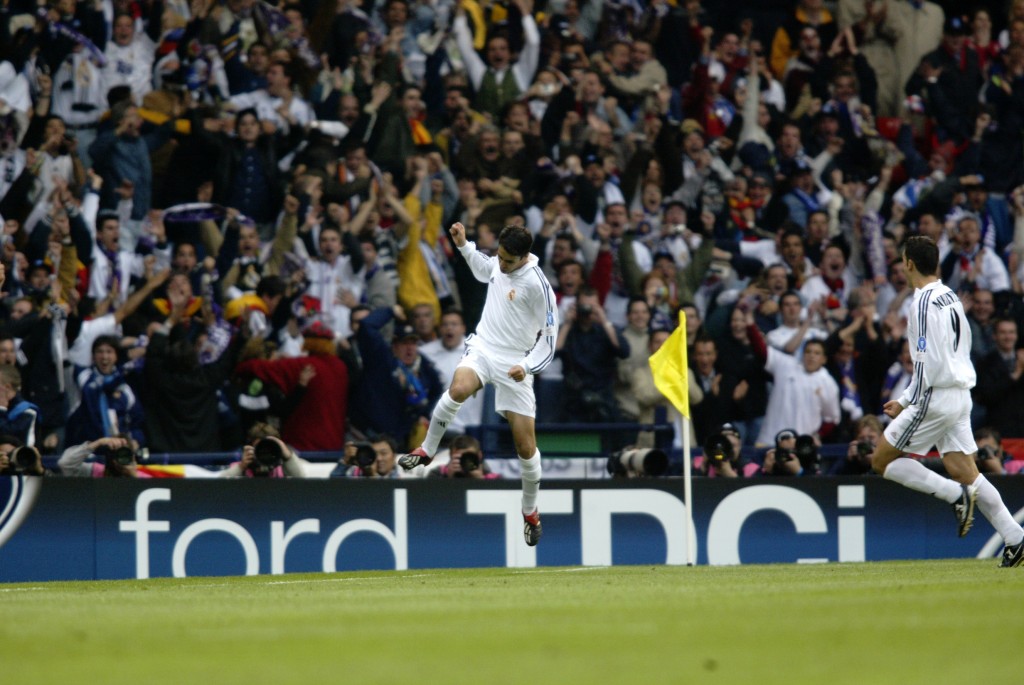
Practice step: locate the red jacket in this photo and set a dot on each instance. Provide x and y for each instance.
(318, 422)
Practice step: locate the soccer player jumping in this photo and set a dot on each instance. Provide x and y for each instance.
(514, 341)
(935, 409)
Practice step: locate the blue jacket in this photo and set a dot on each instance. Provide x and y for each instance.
(19, 419)
(109, 407)
(120, 158)
(383, 401)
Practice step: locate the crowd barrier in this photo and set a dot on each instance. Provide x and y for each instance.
(74, 529)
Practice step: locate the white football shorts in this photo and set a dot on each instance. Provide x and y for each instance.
(942, 419)
(492, 366)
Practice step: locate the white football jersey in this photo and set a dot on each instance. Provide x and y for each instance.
(940, 343)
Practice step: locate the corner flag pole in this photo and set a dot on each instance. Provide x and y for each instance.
(691, 544)
(684, 426)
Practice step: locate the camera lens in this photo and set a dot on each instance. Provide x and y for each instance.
(124, 456)
(366, 456)
(469, 461)
(268, 454)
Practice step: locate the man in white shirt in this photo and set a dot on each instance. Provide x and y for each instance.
(793, 332)
(935, 409)
(79, 98)
(833, 283)
(129, 59)
(446, 352)
(804, 396)
(972, 264)
(329, 276)
(279, 103)
(515, 340)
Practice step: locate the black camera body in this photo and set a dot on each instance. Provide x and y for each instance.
(469, 461)
(365, 456)
(24, 460)
(268, 456)
(864, 448)
(807, 452)
(718, 449)
(120, 456)
(585, 310)
(986, 452)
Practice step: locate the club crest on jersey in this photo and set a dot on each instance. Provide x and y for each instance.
(511, 294)
(921, 344)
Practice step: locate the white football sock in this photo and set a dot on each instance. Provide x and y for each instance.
(530, 469)
(991, 505)
(444, 413)
(916, 476)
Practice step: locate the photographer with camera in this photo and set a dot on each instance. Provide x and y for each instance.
(266, 456)
(373, 458)
(722, 454)
(857, 461)
(466, 461)
(782, 460)
(18, 460)
(114, 457)
(990, 456)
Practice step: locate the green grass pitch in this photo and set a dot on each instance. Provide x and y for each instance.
(899, 622)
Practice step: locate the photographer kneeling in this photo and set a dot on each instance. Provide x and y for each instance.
(374, 458)
(18, 460)
(266, 456)
(117, 457)
(857, 461)
(782, 460)
(722, 457)
(467, 461)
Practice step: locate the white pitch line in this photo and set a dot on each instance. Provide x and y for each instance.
(345, 580)
(562, 570)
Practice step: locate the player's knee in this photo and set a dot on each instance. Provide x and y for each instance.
(526, 448)
(459, 392)
(882, 457)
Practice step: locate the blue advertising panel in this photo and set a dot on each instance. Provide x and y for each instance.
(67, 529)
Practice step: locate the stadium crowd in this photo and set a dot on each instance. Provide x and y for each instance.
(222, 215)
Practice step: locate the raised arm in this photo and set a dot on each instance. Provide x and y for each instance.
(479, 264)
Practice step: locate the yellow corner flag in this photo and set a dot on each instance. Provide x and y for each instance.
(669, 367)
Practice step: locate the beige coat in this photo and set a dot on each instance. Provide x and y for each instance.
(894, 47)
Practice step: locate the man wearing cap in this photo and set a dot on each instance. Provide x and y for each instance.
(948, 77)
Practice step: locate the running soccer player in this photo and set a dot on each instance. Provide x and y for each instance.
(935, 409)
(514, 341)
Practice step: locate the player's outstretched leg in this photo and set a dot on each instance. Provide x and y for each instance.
(992, 507)
(444, 413)
(914, 475)
(531, 473)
